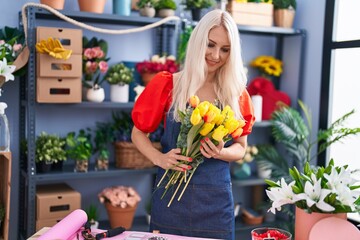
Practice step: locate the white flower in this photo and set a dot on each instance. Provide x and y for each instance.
(337, 181)
(155, 58)
(314, 194)
(7, 70)
(171, 57)
(281, 195)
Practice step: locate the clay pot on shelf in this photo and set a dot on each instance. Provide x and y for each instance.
(284, 18)
(56, 4)
(95, 6)
(120, 216)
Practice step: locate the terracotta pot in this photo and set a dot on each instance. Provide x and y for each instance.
(95, 6)
(120, 217)
(56, 4)
(166, 13)
(284, 17)
(146, 77)
(305, 221)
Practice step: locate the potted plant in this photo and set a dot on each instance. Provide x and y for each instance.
(196, 7)
(165, 8)
(103, 136)
(119, 77)
(79, 148)
(50, 152)
(120, 203)
(284, 12)
(157, 63)
(146, 8)
(93, 215)
(241, 168)
(94, 67)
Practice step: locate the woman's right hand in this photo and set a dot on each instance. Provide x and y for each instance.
(172, 159)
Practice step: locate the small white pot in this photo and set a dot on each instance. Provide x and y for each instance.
(262, 172)
(95, 95)
(94, 225)
(119, 93)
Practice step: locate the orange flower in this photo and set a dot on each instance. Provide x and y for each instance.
(194, 101)
(237, 133)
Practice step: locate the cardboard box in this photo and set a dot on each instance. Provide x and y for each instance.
(58, 90)
(69, 38)
(48, 66)
(56, 201)
(46, 223)
(255, 14)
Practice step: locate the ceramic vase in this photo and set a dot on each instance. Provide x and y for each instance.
(95, 94)
(119, 93)
(56, 4)
(122, 7)
(166, 13)
(120, 216)
(95, 6)
(305, 221)
(147, 12)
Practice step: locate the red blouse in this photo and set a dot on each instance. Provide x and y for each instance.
(152, 105)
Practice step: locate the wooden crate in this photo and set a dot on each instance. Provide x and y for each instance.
(5, 180)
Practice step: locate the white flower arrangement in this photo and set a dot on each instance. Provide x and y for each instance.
(324, 190)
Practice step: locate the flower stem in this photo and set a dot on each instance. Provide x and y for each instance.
(182, 192)
(162, 178)
(177, 189)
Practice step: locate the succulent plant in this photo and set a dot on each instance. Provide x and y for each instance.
(119, 74)
(50, 148)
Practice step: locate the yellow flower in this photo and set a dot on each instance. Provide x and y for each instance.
(206, 128)
(210, 115)
(231, 124)
(203, 107)
(194, 101)
(219, 133)
(237, 133)
(268, 65)
(195, 117)
(228, 112)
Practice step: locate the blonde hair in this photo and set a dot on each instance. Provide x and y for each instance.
(230, 78)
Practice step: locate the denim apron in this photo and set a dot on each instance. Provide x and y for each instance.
(206, 208)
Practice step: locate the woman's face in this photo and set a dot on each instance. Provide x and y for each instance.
(218, 49)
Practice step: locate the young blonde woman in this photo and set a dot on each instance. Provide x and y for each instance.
(213, 71)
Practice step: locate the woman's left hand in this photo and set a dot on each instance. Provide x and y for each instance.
(209, 149)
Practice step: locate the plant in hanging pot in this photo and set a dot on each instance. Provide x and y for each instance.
(120, 203)
(94, 67)
(79, 148)
(165, 8)
(119, 77)
(148, 68)
(103, 136)
(50, 152)
(146, 8)
(284, 13)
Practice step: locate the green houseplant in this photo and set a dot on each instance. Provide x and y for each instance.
(50, 152)
(79, 148)
(165, 8)
(146, 8)
(119, 77)
(103, 136)
(196, 7)
(92, 213)
(284, 13)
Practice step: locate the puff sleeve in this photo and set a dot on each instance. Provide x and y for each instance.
(247, 110)
(153, 103)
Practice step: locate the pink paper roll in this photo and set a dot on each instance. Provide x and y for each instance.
(67, 227)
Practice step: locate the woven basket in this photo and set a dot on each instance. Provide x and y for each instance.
(128, 156)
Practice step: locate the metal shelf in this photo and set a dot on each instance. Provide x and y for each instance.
(250, 181)
(69, 174)
(92, 105)
(262, 124)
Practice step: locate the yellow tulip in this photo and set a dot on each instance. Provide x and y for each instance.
(219, 119)
(194, 101)
(231, 124)
(206, 128)
(219, 133)
(237, 133)
(195, 117)
(228, 112)
(210, 115)
(241, 123)
(203, 107)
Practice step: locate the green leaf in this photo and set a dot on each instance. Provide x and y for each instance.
(194, 130)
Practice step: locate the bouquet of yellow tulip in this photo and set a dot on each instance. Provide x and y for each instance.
(199, 120)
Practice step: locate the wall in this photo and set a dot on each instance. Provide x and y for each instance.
(309, 16)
